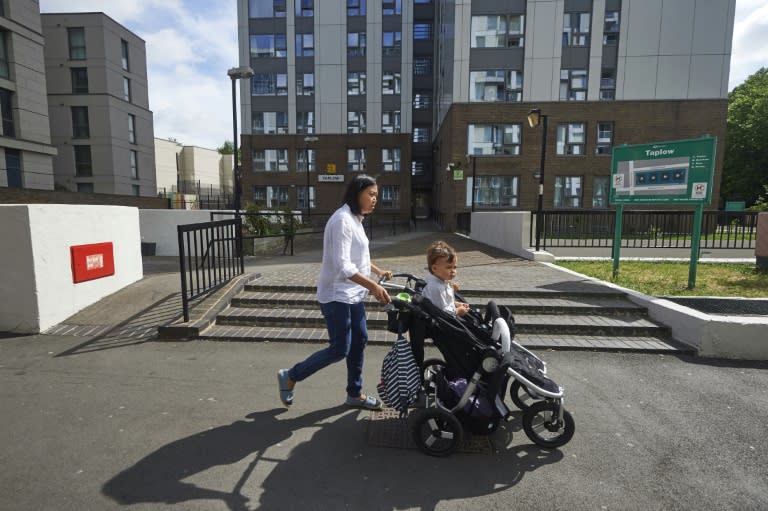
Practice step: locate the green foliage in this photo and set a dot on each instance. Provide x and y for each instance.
(261, 221)
(761, 204)
(227, 148)
(745, 168)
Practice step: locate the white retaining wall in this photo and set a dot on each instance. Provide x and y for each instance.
(36, 284)
(509, 231)
(159, 226)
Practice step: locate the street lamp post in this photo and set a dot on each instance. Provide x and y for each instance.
(236, 73)
(534, 118)
(474, 179)
(307, 140)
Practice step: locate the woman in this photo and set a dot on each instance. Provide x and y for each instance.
(342, 286)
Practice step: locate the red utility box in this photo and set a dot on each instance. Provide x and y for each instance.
(92, 261)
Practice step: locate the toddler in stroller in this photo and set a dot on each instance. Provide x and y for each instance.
(467, 387)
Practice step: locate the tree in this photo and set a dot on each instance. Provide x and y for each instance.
(745, 167)
(227, 148)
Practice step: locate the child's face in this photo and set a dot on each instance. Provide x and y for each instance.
(444, 270)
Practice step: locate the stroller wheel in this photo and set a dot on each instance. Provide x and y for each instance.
(542, 426)
(521, 396)
(428, 370)
(436, 432)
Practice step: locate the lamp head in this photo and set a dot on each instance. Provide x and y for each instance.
(240, 72)
(533, 117)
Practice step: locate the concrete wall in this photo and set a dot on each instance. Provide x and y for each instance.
(36, 285)
(159, 226)
(509, 231)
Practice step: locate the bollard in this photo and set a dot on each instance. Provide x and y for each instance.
(761, 245)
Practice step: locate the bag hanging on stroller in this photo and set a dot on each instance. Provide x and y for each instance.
(400, 377)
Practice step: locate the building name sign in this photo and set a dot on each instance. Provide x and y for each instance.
(326, 178)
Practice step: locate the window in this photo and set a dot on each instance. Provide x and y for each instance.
(270, 160)
(356, 7)
(85, 187)
(4, 69)
(356, 160)
(390, 83)
(355, 83)
(573, 85)
(600, 192)
(498, 31)
(419, 167)
(422, 31)
(567, 192)
(422, 100)
(497, 191)
(134, 164)
(355, 122)
(390, 159)
(6, 108)
(391, 42)
(269, 84)
(422, 66)
(124, 52)
(421, 135)
(136, 190)
(604, 138)
(496, 85)
(611, 28)
(494, 139)
(270, 123)
(13, 168)
(301, 201)
(570, 139)
(83, 165)
(76, 38)
(356, 42)
(262, 9)
(305, 122)
(271, 196)
(390, 122)
(80, 127)
(305, 8)
(79, 80)
(305, 45)
(305, 85)
(389, 197)
(126, 89)
(268, 46)
(131, 128)
(607, 84)
(576, 29)
(304, 156)
(391, 7)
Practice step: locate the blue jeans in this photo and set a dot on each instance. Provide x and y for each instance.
(348, 335)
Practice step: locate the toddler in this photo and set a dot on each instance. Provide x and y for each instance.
(441, 263)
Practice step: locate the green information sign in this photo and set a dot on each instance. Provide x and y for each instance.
(678, 172)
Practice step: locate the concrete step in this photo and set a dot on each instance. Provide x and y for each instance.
(648, 343)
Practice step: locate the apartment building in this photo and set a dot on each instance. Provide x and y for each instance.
(96, 76)
(431, 97)
(26, 152)
(192, 170)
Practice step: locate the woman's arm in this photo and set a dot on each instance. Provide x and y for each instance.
(376, 290)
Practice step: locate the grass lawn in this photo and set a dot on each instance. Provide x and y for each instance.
(671, 279)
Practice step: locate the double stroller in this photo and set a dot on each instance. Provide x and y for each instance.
(466, 388)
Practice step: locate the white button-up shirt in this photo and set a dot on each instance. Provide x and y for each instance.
(345, 253)
(440, 293)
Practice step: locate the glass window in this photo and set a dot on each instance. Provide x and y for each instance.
(611, 28)
(422, 66)
(600, 192)
(305, 122)
(305, 45)
(270, 196)
(356, 7)
(497, 192)
(134, 164)
(79, 80)
(604, 138)
(390, 159)
(390, 83)
(85, 187)
(83, 165)
(391, 7)
(576, 29)
(126, 89)
(303, 156)
(567, 192)
(494, 139)
(124, 52)
(301, 199)
(268, 45)
(269, 84)
(356, 160)
(498, 31)
(389, 197)
(422, 31)
(305, 8)
(355, 122)
(356, 43)
(573, 85)
(80, 126)
(4, 69)
(305, 85)
(270, 123)
(266, 9)
(421, 135)
(391, 43)
(6, 106)
(390, 122)
(76, 37)
(136, 190)
(422, 100)
(607, 84)
(355, 83)
(131, 128)
(496, 85)
(13, 168)
(570, 139)
(270, 160)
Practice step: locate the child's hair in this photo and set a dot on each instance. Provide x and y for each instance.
(438, 250)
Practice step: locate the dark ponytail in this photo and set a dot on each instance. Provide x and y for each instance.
(359, 183)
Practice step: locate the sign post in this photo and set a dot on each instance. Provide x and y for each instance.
(676, 172)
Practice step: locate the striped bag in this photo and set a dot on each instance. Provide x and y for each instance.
(400, 379)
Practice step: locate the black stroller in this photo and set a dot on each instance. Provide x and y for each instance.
(466, 388)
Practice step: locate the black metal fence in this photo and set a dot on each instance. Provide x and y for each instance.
(210, 255)
(646, 229)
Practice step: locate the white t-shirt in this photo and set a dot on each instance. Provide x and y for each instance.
(345, 253)
(440, 293)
